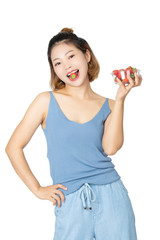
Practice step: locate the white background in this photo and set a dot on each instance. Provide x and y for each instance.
(121, 34)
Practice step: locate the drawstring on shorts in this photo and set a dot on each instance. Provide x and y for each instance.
(89, 192)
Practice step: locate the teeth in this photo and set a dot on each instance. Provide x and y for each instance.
(72, 72)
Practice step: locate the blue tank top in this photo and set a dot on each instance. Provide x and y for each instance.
(75, 151)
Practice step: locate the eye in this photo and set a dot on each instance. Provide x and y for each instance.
(59, 62)
(56, 64)
(71, 55)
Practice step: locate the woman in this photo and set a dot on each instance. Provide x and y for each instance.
(81, 128)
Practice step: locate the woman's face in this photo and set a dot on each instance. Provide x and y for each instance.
(66, 58)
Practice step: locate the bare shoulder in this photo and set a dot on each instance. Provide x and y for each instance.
(43, 100)
(38, 106)
(43, 96)
(111, 103)
(32, 118)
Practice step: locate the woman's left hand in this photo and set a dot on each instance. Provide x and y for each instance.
(124, 90)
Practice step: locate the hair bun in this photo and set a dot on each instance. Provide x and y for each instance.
(67, 30)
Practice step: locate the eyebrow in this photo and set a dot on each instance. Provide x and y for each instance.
(65, 54)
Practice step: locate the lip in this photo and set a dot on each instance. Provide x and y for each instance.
(72, 71)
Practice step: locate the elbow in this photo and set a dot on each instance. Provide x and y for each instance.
(110, 152)
(6, 149)
(8, 152)
(113, 151)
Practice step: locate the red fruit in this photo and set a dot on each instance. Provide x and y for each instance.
(122, 71)
(131, 72)
(134, 69)
(122, 74)
(125, 80)
(129, 68)
(119, 74)
(115, 72)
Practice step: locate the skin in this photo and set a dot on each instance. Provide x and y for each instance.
(113, 136)
(74, 100)
(76, 97)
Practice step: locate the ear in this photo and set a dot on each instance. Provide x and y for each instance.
(88, 55)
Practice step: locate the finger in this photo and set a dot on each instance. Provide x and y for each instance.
(58, 199)
(121, 84)
(131, 82)
(61, 186)
(140, 77)
(137, 79)
(54, 202)
(61, 195)
(54, 197)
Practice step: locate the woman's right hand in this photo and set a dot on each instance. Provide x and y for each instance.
(49, 193)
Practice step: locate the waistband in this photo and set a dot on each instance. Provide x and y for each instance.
(86, 192)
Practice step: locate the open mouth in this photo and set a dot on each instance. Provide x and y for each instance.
(73, 75)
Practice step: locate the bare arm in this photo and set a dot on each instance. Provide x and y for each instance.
(113, 136)
(33, 117)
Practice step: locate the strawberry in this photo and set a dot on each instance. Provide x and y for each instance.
(131, 72)
(115, 72)
(125, 80)
(122, 74)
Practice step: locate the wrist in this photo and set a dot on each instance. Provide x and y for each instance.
(120, 101)
(37, 190)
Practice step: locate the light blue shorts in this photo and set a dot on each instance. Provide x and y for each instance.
(100, 212)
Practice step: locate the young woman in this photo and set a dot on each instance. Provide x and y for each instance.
(81, 128)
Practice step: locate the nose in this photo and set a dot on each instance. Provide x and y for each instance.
(67, 68)
(67, 65)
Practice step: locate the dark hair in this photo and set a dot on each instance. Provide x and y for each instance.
(67, 36)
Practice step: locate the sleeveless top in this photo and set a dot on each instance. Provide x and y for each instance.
(75, 151)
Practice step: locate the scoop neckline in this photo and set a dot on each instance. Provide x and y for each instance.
(74, 122)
